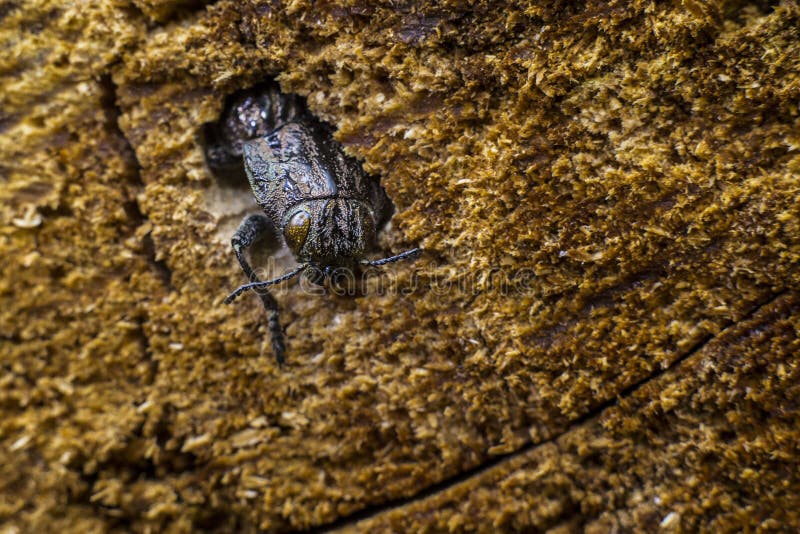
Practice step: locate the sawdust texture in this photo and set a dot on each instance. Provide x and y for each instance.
(601, 333)
(710, 445)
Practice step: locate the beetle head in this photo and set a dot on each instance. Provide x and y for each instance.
(329, 233)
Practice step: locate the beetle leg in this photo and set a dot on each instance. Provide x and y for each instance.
(254, 227)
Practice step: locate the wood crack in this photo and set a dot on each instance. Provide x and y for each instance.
(448, 483)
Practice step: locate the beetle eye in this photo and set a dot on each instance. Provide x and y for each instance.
(296, 230)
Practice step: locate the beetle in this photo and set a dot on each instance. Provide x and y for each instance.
(320, 200)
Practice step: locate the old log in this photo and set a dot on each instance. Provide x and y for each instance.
(601, 335)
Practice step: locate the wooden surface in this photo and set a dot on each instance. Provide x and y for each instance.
(602, 333)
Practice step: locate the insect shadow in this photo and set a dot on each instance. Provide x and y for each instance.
(316, 197)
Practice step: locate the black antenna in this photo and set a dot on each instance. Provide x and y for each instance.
(409, 254)
(260, 285)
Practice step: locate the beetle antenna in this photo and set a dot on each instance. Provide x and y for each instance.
(260, 285)
(408, 254)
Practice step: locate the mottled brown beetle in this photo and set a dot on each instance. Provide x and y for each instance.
(325, 206)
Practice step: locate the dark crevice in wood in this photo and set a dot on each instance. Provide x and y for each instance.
(132, 207)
